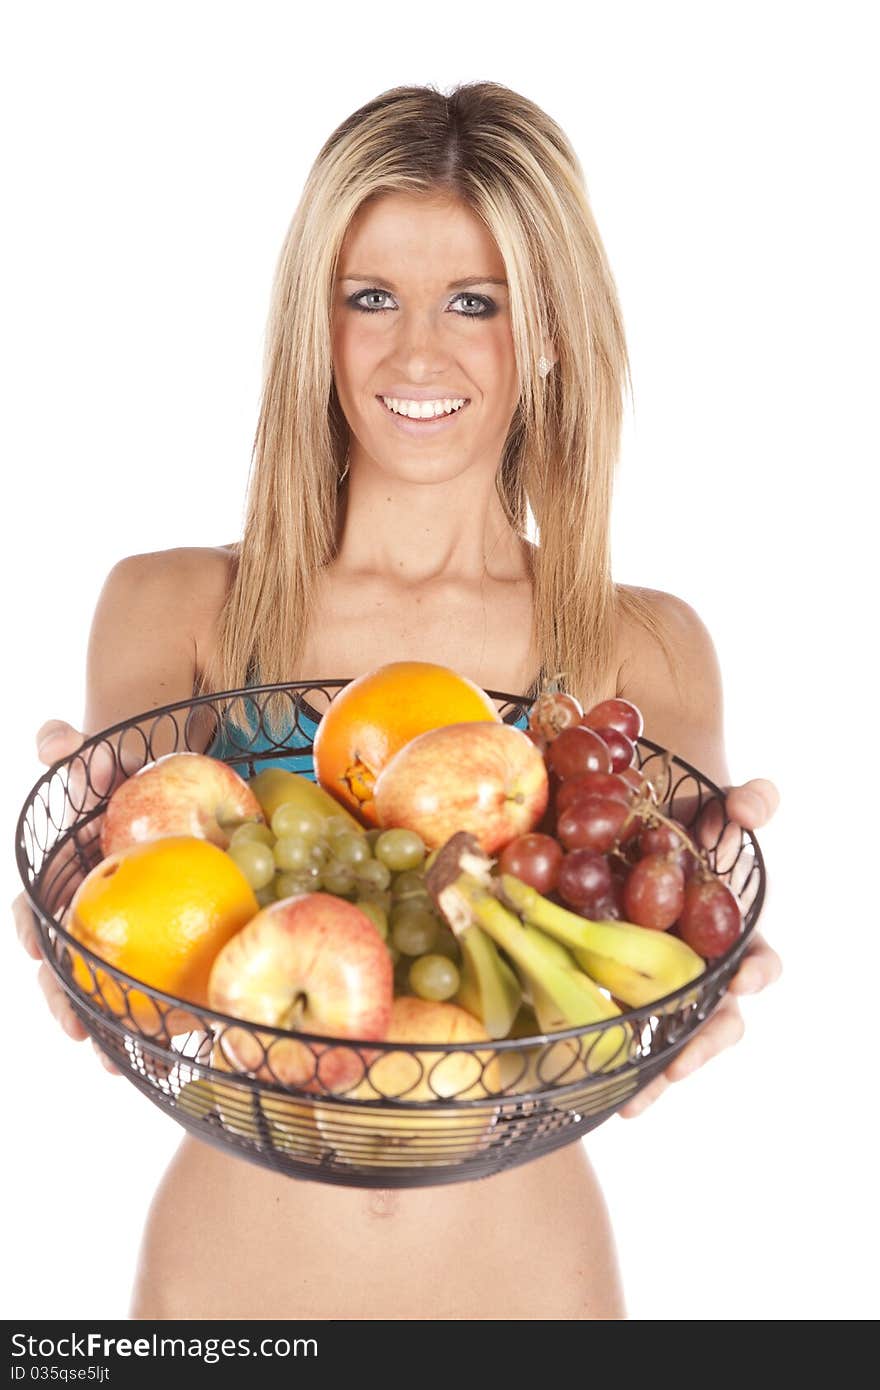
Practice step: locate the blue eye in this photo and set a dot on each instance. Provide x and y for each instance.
(487, 309)
(355, 299)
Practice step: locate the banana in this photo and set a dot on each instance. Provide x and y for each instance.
(275, 785)
(561, 994)
(638, 965)
(608, 1047)
(489, 989)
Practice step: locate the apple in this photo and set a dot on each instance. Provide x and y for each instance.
(432, 1135)
(489, 779)
(313, 963)
(178, 794)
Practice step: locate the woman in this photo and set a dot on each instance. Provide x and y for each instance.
(444, 251)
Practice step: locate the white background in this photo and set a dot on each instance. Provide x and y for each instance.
(154, 156)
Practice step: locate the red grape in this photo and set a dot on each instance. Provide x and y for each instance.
(578, 750)
(661, 839)
(602, 783)
(621, 748)
(654, 892)
(533, 858)
(611, 908)
(550, 714)
(584, 879)
(632, 776)
(616, 714)
(593, 822)
(710, 919)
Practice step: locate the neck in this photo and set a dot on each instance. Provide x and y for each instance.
(415, 532)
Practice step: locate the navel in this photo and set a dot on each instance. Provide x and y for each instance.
(384, 1201)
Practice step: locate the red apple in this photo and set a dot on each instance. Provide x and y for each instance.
(312, 963)
(487, 778)
(178, 794)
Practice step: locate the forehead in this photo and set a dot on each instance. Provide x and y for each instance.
(424, 235)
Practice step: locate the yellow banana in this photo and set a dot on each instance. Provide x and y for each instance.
(637, 964)
(561, 994)
(275, 786)
(489, 989)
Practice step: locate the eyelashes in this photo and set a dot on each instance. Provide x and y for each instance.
(488, 310)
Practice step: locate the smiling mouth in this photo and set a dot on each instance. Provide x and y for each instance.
(431, 419)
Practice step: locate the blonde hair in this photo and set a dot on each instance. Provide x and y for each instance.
(513, 166)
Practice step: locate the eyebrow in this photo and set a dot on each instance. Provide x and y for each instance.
(455, 285)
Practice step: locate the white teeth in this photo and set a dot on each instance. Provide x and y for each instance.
(423, 410)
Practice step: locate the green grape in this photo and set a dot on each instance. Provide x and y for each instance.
(338, 879)
(400, 849)
(290, 819)
(321, 850)
(293, 852)
(351, 849)
(375, 873)
(265, 896)
(380, 896)
(372, 836)
(255, 861)
(337, 825)
(409, 884)
(252, 830)
(434, 977)
(413, 931)
(373, 910)
(295, 881)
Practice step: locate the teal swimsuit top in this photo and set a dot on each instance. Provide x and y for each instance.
(232, 740)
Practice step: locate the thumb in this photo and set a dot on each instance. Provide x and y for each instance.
(55, 739)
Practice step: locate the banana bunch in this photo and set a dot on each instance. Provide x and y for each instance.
(559, 959)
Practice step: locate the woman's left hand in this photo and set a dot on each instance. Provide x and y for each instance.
(749, 806)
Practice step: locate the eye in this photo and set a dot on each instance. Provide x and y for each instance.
(355, 303)
(485, 305)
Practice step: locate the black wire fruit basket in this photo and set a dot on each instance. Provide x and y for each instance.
(404, 1114)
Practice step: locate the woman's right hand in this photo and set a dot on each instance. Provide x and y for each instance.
(56, 740)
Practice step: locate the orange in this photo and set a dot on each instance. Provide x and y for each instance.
(375, 715)
(159, 911)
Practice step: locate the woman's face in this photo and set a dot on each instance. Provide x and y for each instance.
(421, 314)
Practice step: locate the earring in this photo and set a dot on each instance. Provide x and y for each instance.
(544, 365)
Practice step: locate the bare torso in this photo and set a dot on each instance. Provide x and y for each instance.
(225, 1238)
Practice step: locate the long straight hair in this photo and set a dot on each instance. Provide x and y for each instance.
(513, 166)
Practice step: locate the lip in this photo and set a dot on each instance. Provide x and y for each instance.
(423, 427)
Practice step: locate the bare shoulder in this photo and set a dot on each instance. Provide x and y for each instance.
(184, 586)
(638, 645)
(668, 666)
(205, 566)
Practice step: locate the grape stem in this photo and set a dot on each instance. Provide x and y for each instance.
(646, 807)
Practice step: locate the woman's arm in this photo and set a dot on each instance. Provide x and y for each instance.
(687, 717)
(141, 654)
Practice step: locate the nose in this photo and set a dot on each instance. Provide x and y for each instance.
(421, 350)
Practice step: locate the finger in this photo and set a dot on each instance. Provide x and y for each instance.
(723, 1029)
(26, 926)
(56, 739)
(109, 1066)
(58, 1005)
(646, 1096)
(753, 803)
(761, 966)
